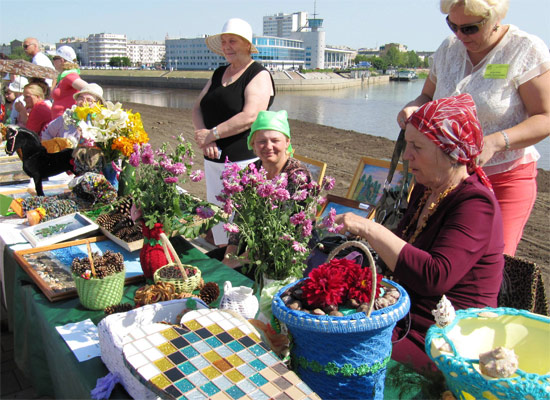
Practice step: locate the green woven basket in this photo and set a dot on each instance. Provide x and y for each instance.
(97, 294)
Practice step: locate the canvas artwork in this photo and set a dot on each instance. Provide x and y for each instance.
(342, 205)
(59, 229)
(368, 182)
(50, 266)
(316, 168)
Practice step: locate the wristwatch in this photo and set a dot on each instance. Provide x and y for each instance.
(215, 133)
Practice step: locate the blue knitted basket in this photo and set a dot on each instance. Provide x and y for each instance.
(342, 357)
(477, 330)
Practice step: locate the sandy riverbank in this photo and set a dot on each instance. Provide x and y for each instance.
(342, 150)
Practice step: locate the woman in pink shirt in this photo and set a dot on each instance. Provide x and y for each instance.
(68, 81)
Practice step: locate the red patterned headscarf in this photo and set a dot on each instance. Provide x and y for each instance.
(452, 124)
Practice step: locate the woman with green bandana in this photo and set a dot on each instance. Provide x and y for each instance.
(68, 80)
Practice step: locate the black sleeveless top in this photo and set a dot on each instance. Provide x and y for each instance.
(221, 103)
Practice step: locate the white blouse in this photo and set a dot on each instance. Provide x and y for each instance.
(499, 105)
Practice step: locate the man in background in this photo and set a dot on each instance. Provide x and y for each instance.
(32, 48)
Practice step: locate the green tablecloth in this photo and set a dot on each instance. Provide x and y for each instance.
(42, 354)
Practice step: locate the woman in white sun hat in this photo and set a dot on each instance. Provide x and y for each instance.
(68, 80)
(228, 105)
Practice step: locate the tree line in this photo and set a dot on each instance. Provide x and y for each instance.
(394, 58)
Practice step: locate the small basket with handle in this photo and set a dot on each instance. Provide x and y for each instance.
(184, 284)
(355, 348)
(96, 293)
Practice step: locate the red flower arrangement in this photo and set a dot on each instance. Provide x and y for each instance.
(335, 282)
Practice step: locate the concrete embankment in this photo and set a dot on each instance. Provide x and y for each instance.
(283, 81)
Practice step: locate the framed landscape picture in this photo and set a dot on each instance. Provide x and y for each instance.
(50, 266)
(59, 229)
(369, 178)
(343, 205)
(316, 168)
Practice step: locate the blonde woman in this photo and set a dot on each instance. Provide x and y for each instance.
(506, 71)
(39, 110)
(68, 80)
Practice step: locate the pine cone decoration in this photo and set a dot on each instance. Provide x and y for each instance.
(125, 222)
(124, 206)
(117, 308)
(210, 292)
(108, 221)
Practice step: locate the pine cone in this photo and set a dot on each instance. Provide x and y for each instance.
(108, 221)
(123, 207)
(117, 308)
(210, 292)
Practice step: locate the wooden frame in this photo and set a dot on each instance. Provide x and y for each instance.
(59, 229)
(39, 261)
(316, 168)
(343, 205)
(369, 178)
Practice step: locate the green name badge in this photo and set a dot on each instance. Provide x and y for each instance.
(496, 71)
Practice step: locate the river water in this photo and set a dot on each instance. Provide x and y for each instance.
(368, 109)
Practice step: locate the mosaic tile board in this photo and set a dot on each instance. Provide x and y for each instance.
(213, 355)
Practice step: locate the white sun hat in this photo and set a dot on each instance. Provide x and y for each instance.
(234, 26)
(18, 84)
(65, 52)
(91, 88)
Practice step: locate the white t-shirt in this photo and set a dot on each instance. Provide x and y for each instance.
(498, 103)
(43, 60)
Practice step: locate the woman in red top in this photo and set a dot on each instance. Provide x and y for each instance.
(40, 112)
(68, 81)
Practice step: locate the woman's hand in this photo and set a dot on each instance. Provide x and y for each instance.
(202, 137)
(352, 224)
(404, 115)
(211, 151)
(490, 146)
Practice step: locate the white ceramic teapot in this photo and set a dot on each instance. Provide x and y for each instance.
(240, 299)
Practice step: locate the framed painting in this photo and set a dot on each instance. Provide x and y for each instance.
(343, 205)
(59, 229)
(316, 168)
(50, 266)
(369, 178)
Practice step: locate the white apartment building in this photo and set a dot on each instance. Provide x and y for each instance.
(104, 46)
(146, 53)
(282, 25)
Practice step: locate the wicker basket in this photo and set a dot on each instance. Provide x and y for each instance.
(97, 294)
(343, 357)
(185, 285)
(455, 349)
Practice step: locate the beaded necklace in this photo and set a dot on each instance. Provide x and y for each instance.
(431, 209)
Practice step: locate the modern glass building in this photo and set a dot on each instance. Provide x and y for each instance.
(278, 53)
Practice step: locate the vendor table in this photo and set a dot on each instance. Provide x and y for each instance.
(44, 357)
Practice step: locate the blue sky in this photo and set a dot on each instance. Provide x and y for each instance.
(418, 24)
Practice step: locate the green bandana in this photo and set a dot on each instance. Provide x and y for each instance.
(271, 121)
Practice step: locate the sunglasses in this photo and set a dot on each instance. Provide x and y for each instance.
(28, 45)
(467, 29)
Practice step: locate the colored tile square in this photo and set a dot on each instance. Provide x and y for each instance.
(270, 359)
(213, 342)
(177, 358)
(269, 374)
(236, 333)
(270, 389)
(197, 379)
(148, 371)
(156, 339)
(210, 372)
(224, 351)
(167, 348)
(235, 346)
(254, 337)
(192, 325)
(235, 360)
(161, 381)
(282, 396)
(163, 364)
(180, 330)
(257, 350)
(222, 382)
(246, 386)
(179, 342)
(282, 383)
(258, 380)
(152, 354)
(265, 346)
(234, 375)
(173, 374)
(295, 393)
(257, 364)
(292, 377)
(200, 362)
(137, 360)
(191, 337)
(190, 352)
(246, 341)
(187, 368)
(195, 395)
(226, 324)
(212, 356)
(169, 334)
(246, 356)
(258, 395)
(204, 333)
(280, 368)
(201, 347)
(205, 320)
(220, 396)
(173, 391)
(304, 388)
(222, 365)
(184, 385)
(215, 329)
(235, 392)
(225, 337)
(210, 389)
(246, 370)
